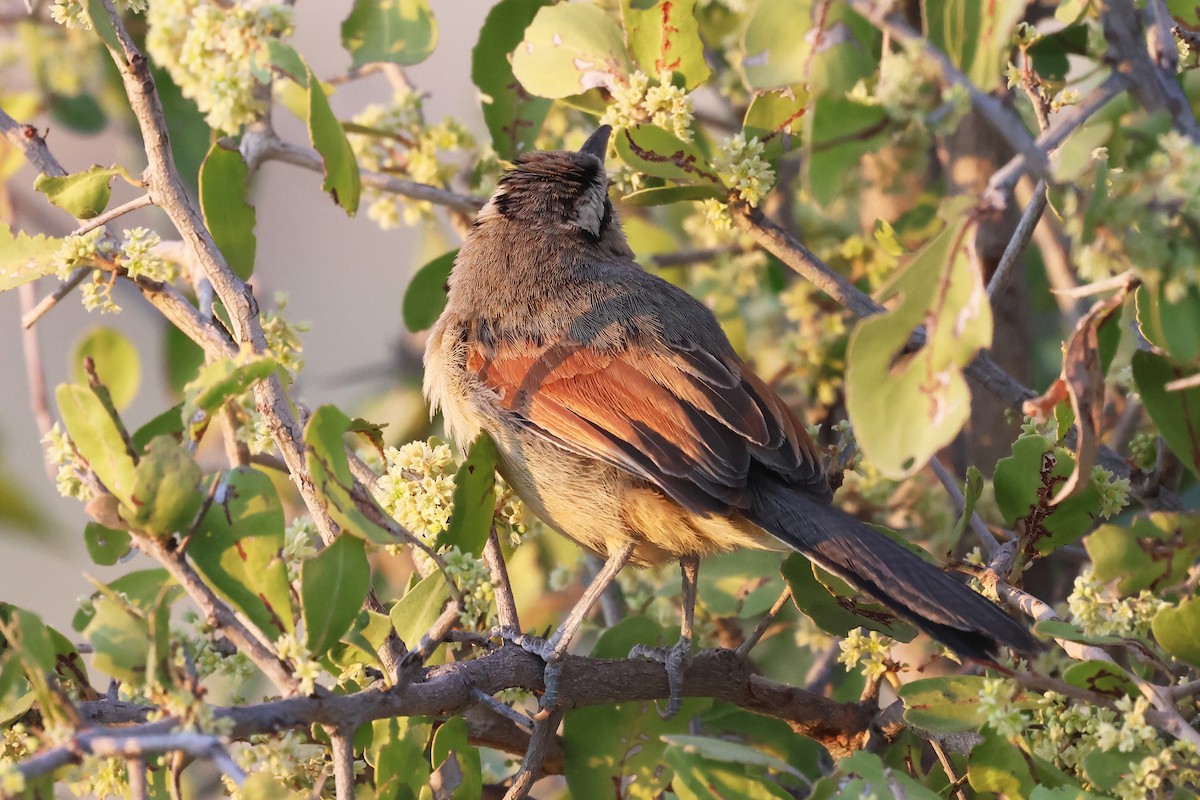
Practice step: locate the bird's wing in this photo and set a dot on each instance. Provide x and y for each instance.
(685, 420)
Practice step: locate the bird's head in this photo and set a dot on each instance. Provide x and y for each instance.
(563, 191)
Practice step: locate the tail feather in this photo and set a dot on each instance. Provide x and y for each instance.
(950, 612)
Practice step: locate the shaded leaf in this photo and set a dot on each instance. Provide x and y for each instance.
(1177, 414)
(425, 296)
(838, 610)
(976, 36)
(1171, 326)
(224, 187)
(397, 753)
(166, 494)
(398, 31)
(568, 49)
(826, 47)
(1100, 676)
(105, 546)
(121, 638)
(996, 765)
(944, 705)
(474, 498)
(450, 742)
(333, 585)
(513, 116)
(774, 117)
(238, 547)
(325, 456)
(941, 290)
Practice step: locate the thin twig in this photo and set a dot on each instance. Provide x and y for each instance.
(35, 371)
(341, 744)
(113, 213)
(30, 317)
(1180, 384)
(531, 765)
(756, 635)
(955, 781)
(1019, 241)
(506, 605)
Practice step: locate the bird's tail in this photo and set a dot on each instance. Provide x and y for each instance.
(950, 612)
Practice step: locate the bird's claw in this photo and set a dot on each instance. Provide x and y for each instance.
(545, 650)
(674, 659)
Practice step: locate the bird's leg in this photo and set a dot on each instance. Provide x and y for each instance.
(553, 649)
(675, 658)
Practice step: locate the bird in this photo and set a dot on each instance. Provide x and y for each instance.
(626, 421)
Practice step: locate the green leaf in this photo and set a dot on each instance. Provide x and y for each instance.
(325, 456)
(217, 382)
(333, 585)
(1024, 483)
(1106, 768)
(610, 745)
(83, 195)
(414, 614)
(1069, 631)
(568, 49)
(976, 36)
(1100, 676)
(1171, 326)
(397, 753)
(41, 652)
(656, 152)
(98, 438)
(102, 23)
(837, 612)
(116, 360)
(741, 584)
(1177, 629)
(183, 358)
(16, 693)
(79, 112)
(864, 774)
(224, 186)
(342, 178)
(238, 548)
(1153, 552)
(105, 546)
(775, 116)
(778, 46)
(664, 38)
(474, 498)
(944, 705)
(700, 778)
(1049, 52)
(1177, 414)
(941, 290)
(732, 752)
(121, 639)
(450, 742)
(664, 195)
(141, 588)
(997, 766)
(402, 32)
(513, 116)
(971, 492)
(25, 258)
(842, 132)
(425, 296)
(168, 423)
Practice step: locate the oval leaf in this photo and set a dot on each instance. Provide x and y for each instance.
(568, 49)
(224, 183)
(398, 31)
(333, 585)
(514, 117)
(83, 195)
(116, 360)
(425, 296)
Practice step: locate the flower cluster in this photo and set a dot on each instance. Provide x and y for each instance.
(1099, 612)
(908, 88)
(418, 487)
(394, 138)
(305, 669)
(870, 652)
(215, 51)
(283, 336)
(639, 99)
(73, 13)
(741, 165)
(299, 544)
(1114, 491)
(138, 258)
(60, 452)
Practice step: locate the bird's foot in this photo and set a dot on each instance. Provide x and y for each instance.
(675, 659)
(548, 653)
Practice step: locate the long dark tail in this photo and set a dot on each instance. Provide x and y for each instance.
(950, 612)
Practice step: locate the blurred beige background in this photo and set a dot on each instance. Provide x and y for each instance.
(344, 275)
